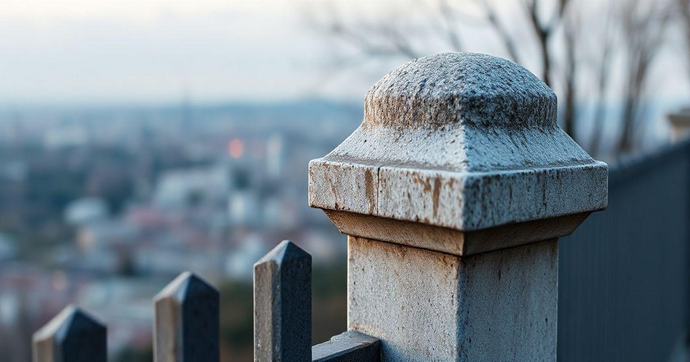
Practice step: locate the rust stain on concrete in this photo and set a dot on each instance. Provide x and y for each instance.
(435, 195)
(369, 190)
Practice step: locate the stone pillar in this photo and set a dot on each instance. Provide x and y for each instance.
(453, 193)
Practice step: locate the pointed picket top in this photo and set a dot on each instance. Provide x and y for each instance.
(186, 285)
(71, 336)
(282, 305)
(187, 321)
(284, 252)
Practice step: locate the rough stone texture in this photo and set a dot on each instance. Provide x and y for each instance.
(453, 192)
(469, 88)
(430, 306)
(348, 347)
(187, 321)
(282, 305)
(461, 141)
(72, 336)
(452, 241)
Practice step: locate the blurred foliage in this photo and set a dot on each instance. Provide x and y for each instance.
(329, 301)
(236, 315)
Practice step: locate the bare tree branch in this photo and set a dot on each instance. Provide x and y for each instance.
(383, 39)
(570, 73)
(603, 76)
(558, 14)
(559, 50)
(544, 32)
(452, 33)
(643, 30)
(502, 32)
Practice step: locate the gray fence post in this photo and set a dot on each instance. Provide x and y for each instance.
(453, 193)
(282, 305)
(187, 321)
(72, 336)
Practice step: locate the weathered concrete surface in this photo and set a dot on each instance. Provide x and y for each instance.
(282, 305)
(187, 321)
(452, 241)
(430, 306)
(72, 336)
(461, 141)
(453, 192)
(348, 347)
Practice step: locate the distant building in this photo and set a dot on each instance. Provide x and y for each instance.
(168, 260)
(68, 136)
(125, 305)
(244, 208)
(85, 211)
(107, 234)
(239, 265)
(8, 248)
(107, 246)
(181, 188)
(14, 171)
(275, 155)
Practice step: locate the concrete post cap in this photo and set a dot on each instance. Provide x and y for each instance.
(462, 141)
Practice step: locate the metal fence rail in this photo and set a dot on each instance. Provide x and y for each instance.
(623, 273)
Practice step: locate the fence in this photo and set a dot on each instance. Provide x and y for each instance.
(186, 328)
(282, 314)
(623, 273)
(187, 321)
(453, 194)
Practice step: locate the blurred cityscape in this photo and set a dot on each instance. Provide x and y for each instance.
(102, 207)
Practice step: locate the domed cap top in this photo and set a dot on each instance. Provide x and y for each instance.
(465, 88)
(462, 141)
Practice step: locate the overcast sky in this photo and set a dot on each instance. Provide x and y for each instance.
(161, 51)
(154, 50)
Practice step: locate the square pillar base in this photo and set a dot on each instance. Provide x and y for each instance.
(429, 306)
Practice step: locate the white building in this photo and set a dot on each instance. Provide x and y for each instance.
(180, 187)
(86, 210)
